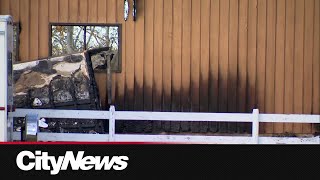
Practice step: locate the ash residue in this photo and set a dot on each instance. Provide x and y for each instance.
(65, 82)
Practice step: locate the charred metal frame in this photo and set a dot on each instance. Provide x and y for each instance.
(17, 25)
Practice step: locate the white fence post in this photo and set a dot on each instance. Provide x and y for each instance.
(112, 123)
(255, 126)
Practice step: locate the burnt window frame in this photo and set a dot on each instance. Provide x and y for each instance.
(119, 69)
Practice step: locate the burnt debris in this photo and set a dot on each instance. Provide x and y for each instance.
(65, 82)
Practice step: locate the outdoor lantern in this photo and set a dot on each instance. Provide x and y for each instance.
(126, 9)
(134, 11)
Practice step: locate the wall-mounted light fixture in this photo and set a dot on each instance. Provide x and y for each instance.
(134, 11)
(126, 9)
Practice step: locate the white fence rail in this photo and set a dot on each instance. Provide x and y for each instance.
(112, 115)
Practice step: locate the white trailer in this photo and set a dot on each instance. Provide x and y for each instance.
(6, 81)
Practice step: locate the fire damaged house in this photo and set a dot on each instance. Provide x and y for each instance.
(220, 56)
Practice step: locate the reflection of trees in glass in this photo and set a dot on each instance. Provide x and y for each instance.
(102, 36)
(72, 39)
(67, 39)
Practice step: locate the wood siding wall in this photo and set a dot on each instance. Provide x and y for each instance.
(198, 55)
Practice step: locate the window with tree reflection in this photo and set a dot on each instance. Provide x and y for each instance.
(69, 39)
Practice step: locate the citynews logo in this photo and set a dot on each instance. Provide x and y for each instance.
(40, 161)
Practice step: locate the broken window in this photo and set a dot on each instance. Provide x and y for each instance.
(74, 38)
(69, 39)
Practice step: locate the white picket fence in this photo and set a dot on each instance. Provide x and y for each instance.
(112, 115)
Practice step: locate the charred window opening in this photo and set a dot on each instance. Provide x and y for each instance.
(68, 39)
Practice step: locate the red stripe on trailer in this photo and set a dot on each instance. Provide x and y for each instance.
(2, 108)
(86, 143)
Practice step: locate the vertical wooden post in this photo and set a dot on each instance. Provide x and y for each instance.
(112, 123)
(255, 126)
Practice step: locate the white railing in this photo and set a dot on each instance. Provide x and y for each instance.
(112, 115)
